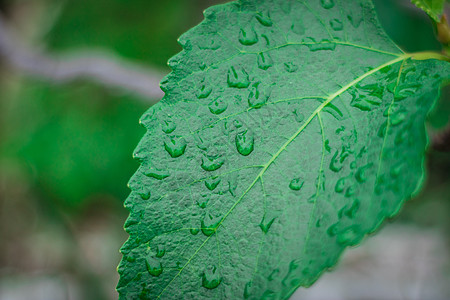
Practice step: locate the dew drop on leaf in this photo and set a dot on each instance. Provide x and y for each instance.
(248, 36)
(264, 60)
(211, 278)
(194, 231)
(204, 91)
(290, 67)
(212, 183)
(340, 185)
(145, 196)
(154, 266)
(202, 202)
(247, 288)
(299, 117)
(217, 106)
(245, 143)
(237, 78)
(212, 163)
(168, 126)
(256, 97)
(296, 184)
(175, 146)
(327, 4)
(264, 19)
(348, 237)
(209, 224)
(336, 24)
(265, 224)
(160, 251)
(157, 174)
(361, 175)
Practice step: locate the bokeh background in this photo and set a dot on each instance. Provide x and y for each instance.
(65, 158)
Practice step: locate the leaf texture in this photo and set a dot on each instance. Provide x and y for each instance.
(433, 8)
(289, 130)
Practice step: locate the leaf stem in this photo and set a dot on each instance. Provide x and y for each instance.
(428, 55)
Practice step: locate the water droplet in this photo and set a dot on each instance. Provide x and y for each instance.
(327, 4)
(327, 145)
(361, 175)
(264, 60)
(405, 90)
(209, 224)
(203, 202)
(245, 143)
(208, 44)
(211, 278)
(396, 170)
(160, 251)
(299, 117)
(212, 183)
(175, 146)
(337, 162)
(157, 174)
(238, 78)
(351, 212)
(154, 267)
(367, 97)
(248, 36)
(340, 129)
(382, 130)
(218, 106)
(297, 27)
(340, 185)
(269, 295)
(212, 163)
(145, 196)
(336, 24)
(264, 225)
(349, 237)
(322, 45)
(256, 97)
(350, 191)
(398, 117)
(332, 230)
(272, 275)
(237, 123)
(168, 126)
(194, 231)
(204, 91)
(232, 185)
(247, 287)
(290, 67)
(401, 136)
(296, 184)
(334, 111)
(264, 19)
(355, 20)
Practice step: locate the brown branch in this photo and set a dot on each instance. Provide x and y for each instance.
(441, 140)
(99, 67)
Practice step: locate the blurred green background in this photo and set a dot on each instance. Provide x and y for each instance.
(65, 149)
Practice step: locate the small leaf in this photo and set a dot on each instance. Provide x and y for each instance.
(433, 8)
(311, 134)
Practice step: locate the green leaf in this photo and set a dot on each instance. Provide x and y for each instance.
(289, 130)
(433, 8)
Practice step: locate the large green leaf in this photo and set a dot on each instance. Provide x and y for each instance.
(289, 130)
(433, 8)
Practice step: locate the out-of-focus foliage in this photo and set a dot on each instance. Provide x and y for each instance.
(77, 139)
(433, 8)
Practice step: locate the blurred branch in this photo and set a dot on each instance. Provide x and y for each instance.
(441, 140)
(99, 67)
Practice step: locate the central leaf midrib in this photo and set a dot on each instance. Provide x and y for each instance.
(282, 148)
